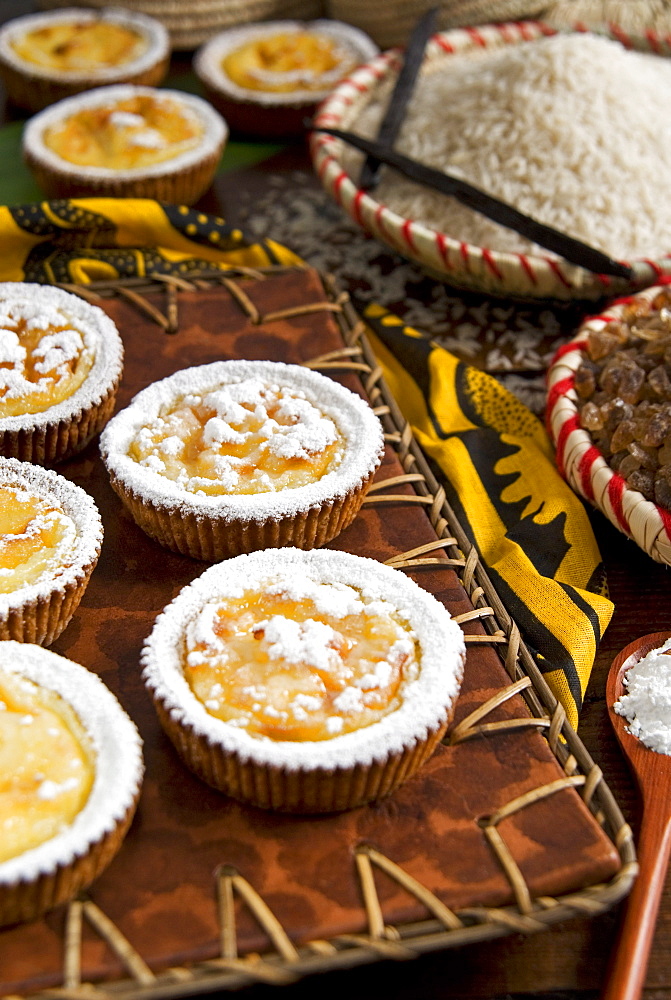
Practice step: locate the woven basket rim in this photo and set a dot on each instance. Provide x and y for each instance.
(523, 275)
(651, 529)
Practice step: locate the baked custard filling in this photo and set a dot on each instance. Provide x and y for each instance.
(46, 765)
(287, 61)
(36, 538)
(245, 437)
(79, 46)
(299, 660)
(137, 131)
(44, 357)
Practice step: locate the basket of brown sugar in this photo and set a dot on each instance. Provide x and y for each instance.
(609, 414)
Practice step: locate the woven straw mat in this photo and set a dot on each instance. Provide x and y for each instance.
(389, 22)
(193, 22)
(636, 16)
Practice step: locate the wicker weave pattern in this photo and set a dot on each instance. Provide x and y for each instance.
(283, 962)
(192, 23)
(635, 16)
(389, 22)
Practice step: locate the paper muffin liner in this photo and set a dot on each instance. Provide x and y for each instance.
(215, 528)
(215, 538)
(59, 868)
(579, 459)
(55, 440)
(36, 87)
(38, 612)
(60, 431)
(180, 179)
(25, 901)
(319, 790)
(273, 113)
(183, 187)
(321, 776)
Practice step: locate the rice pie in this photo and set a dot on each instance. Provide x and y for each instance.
(126, 141)
(48, 56)
(304, 681)
(267, 78)
(235, 456)
(61, 361)
(50, 540)
(72, 770)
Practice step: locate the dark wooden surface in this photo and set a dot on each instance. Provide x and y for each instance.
(569, 960)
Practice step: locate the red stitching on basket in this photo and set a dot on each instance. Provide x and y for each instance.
(323, 166)
(443, 250)
(616, 487)
(654, 41)
(491, 263)
(444, 44)
(406, 230)
(566, 428)
(356, 208)
(337, 184)
(573, 345)
(526, 264)
(585, 471)
(524, 32)
(620, 34)
(477, 37)
(654, 267)
(463, 250)
(666, 519)
(554, 266)
(561, 388)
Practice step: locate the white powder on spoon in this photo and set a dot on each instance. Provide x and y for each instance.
(647, 703)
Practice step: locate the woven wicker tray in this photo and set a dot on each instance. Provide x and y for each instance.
(510, 826)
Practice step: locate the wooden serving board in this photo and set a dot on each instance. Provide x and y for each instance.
(160, 889)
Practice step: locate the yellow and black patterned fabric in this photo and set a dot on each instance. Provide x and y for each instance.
(496, 462)
(103, 239)
(492, 454)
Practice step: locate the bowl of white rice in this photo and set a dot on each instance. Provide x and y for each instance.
(571, 128)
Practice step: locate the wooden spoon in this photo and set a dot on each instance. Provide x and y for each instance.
(653, 775)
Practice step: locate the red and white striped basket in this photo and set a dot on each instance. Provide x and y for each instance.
(580, 461)
(442, 255)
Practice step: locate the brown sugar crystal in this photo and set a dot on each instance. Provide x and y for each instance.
(624, 395)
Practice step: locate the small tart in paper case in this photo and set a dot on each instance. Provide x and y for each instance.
(267, 78)
(61, 361)
(304, 681)
(72, 770)
(126, 141)
(50, 540)
(48, 56)
(242, 455)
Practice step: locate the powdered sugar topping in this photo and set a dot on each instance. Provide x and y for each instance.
(344, 585)
(272, 439)
(73, 329)
(116, 749)
(83, 537)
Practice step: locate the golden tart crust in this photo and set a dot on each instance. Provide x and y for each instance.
(242, 455)
(93, 728)
(50, 541)
(353, 658)
(267, 78)
(61, 361)
(126, 141)
(53, 55)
